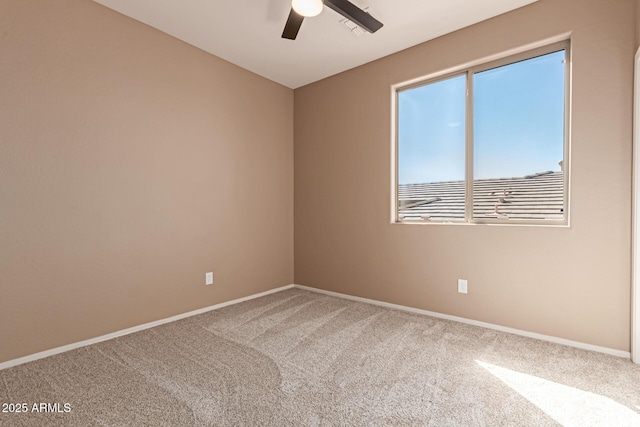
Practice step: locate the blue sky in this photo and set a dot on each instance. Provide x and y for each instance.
(518, 123)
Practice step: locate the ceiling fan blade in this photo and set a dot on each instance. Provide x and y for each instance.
(355, 14)
(291, 28)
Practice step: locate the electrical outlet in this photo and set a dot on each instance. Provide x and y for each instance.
(208, 278)
(462, 286)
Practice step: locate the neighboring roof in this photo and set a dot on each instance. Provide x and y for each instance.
(538, 196)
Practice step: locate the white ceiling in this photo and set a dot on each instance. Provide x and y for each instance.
(247, 32)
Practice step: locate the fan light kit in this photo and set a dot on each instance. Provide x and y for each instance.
(308, 8)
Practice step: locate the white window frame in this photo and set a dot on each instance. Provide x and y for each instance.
(511, 57)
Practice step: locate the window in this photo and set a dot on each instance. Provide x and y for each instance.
(487, 144)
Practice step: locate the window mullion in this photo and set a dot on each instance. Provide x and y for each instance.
(469, 149)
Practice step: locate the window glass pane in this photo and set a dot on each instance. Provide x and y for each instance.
(518, 140)
(431, 151)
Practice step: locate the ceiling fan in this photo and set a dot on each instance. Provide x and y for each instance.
(308, 8)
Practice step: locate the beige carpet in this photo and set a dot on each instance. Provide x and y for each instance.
(297, 358)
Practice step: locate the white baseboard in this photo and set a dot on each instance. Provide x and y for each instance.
(556, 340)
(73, 346)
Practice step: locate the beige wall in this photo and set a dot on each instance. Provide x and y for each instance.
(131, 164)
(572, 282)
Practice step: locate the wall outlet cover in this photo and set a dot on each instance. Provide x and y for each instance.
(462, 286)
